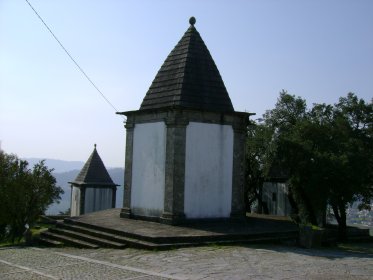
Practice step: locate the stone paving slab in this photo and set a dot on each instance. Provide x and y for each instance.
(205, 262)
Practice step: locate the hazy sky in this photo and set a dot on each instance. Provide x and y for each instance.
(319, 50)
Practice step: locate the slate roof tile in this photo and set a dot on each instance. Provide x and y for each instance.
(188, 78)
(94, 172)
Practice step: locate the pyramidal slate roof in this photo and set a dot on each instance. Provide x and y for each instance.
(189, 78)
(94, 172)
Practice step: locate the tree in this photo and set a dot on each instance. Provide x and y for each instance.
(352, 136)
(327, 153)
(258, 152)
(262, 145)
(24, 194)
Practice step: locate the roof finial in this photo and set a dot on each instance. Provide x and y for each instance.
(95, 146)
(192, 21)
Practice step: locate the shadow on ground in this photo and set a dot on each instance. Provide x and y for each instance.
(340, 251)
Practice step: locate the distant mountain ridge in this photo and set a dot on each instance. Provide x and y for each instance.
(58, 165)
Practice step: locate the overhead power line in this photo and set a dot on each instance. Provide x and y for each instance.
(73, 60)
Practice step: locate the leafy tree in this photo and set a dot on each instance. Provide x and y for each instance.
(351, 156)
(24, 194)
(289, 110)
(262, 145)
(260, 149)
(303, 151)
(326, 151)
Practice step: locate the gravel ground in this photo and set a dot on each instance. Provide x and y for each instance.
(208, 262)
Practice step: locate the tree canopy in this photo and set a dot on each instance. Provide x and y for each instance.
(325, 152)
(24, 194)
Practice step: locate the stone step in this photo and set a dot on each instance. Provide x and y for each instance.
(87, 237)
(165, 243)
(71, 221)
(93, 232)
(49, 242)
(68, 240)
(186, 239)
(133, 242)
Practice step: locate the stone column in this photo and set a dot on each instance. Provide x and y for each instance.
(82, 200)
(113, 196)
(238, 183)
(175, 169)
(126, 209)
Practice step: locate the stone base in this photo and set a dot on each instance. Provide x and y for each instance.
(180, 218)
(125, 213)
(238, 216)
(172, 219)
(143, 234)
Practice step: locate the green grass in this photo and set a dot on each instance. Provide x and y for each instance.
(364, 248)
(6, 244)
(39, 228)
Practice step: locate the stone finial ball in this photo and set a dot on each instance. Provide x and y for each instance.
(192, 20)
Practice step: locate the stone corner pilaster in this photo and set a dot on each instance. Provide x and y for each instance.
(125, 213)
(172, 219)
(238, 215)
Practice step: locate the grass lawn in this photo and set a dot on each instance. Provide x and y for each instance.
(357, 247)
(35, 234)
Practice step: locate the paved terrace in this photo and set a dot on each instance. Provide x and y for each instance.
(204, 262)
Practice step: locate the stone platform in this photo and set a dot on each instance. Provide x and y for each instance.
(137, 233)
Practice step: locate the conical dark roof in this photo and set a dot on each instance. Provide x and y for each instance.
(188, 78)
(94, 172)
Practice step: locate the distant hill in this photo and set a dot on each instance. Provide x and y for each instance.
(59, 166)
(67, 171)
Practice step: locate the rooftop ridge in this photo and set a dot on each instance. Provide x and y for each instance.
(184, 66)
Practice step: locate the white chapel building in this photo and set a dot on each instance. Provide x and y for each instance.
(185, 146)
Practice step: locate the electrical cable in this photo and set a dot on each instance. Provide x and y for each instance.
(73, 60)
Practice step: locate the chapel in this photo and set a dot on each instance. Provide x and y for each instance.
(185, 145)
(93, 189)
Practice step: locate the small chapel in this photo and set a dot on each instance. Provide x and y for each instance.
(185, 146)
(93, 189)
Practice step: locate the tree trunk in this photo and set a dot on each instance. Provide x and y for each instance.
(246, 199)
(308, 206)
(293, 204)
(342, 228)
(336, 212)
(339, 210)
(260, 200)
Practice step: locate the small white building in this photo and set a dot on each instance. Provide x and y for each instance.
(93, 189)
(185, 145)
(275, 193)
(275, 196)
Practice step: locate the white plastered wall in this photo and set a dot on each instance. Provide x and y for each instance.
(275, 195)
(75, 202)
(208, 170)
(148, 169)
(97, 199)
